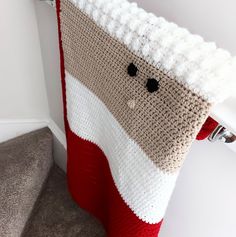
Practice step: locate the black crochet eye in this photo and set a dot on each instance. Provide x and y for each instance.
(132, 70)
(152, 85)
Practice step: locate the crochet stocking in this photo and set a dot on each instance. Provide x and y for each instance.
(137, 90)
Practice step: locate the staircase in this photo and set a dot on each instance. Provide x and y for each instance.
(34, 201)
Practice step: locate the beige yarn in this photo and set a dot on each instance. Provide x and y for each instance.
(163, 123)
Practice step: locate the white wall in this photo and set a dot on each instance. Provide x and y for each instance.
(203, 203)
(22, 87)
(47, 26)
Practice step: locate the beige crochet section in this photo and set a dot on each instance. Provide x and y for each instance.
(163, 123)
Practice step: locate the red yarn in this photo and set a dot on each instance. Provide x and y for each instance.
(92, 187)
(207, 128)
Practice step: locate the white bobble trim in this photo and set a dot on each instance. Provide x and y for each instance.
(96, 15)
(209, 47)
(192, 54)
(89, 8)
(142, 15)
(146, 49)
(115, 13)
(180, 34)
(158, 55)
(134, 24)
(74, 2)
(152, 19)
(81, 4)
(111, 26)
(125, 5)
(154, 35)
(120, 32)
(133, 5)
(142, 29)
(133, 9)
(136, 44)
(179, 47)
(223, 53)
(128, 38)
(99, 3)
(166, 42)
(169, 62)
(107, 8)
(181, 69)
(103, 20)
(124, 19)
(161, 22)
(198, 38)
(193, 77)
(166, 46)
(173, 26)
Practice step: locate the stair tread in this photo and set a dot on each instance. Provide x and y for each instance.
(25, 162)
(57, 215)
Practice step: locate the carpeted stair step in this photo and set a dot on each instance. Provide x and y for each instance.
(57, 215)
(25, 163)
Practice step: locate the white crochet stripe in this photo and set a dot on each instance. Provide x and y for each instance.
(143, 186)
(202, 67)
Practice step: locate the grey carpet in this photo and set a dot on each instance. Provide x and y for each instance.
(56, 214)
(24, 166)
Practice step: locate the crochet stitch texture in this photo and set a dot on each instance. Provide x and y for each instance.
(201, 66)
(128, 130)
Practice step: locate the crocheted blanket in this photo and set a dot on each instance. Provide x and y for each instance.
(137, 90)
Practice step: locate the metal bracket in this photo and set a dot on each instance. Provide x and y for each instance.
(222, 134)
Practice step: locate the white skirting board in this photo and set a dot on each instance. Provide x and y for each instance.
(59, 145)
(15, 127)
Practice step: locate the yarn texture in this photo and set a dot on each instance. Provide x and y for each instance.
(137, 89)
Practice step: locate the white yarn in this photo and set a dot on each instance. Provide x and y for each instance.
(81, 4)
(103, 20)
(142, 29)
(124, 18)
(191, 56)
(111, 26)
(120, 32)
(89, 8)
(151, 188)
(134, 24)
(107, 7)
(136, 44)
(157, 56)
(99, 3)
(146, 49)
(128, 38)
(74, 2)
(115, 13)
(133, 9)
(95, 15)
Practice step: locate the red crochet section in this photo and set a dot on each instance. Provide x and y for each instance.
(207, 128)
(92, 187)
